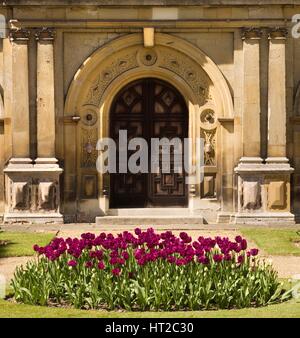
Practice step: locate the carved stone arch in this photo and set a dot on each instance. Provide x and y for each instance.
(122, 63)
(125, 60)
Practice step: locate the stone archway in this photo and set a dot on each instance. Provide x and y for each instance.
(102, 76)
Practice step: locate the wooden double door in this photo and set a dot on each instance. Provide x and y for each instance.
(149, 108)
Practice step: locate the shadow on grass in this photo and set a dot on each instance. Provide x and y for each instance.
(5, 245)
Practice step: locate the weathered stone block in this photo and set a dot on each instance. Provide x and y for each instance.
(251, 195)
(277, 195)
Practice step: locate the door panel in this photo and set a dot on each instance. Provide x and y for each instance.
(149, 108)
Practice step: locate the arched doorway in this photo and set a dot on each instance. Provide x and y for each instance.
(149, 108)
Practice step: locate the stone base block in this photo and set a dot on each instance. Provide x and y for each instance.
(33, 218)
(224, 218)
(265, 219)
(32, 191)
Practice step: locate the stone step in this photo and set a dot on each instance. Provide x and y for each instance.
(159, 222)
(149, 212)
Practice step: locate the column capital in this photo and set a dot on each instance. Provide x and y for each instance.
(45, 34)
(251, 33)
(278, 33)
(19, 35)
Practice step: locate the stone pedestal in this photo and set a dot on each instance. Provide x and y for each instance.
(32, 192)
(264, 192)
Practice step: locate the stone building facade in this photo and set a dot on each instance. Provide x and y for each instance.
(228, 71)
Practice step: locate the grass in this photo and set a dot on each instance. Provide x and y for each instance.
(20, 244)
(280, 242)
(8, 309)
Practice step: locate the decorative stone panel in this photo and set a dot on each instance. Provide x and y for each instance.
(33, 195)
(251, 197)
(277, 195)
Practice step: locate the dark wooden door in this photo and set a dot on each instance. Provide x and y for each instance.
(149, 108)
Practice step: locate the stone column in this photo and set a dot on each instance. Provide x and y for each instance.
(277, 96)
(45, 98)
(20, 99)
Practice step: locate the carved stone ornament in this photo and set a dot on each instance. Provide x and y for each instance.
(45, 34)
(189, 71)
(89, 118)
(19, 35)
(147, 57)
(209, 147)
(161, 57)
(251, 33)
(208, 119)
(116, 68)
(278, 33)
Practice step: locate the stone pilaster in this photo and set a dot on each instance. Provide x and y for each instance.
(277, 94)
(20, 100)
(45, 97)
(251, 94)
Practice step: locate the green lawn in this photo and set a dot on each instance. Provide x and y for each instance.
(289, 309)
(275, 241)
(20, 244)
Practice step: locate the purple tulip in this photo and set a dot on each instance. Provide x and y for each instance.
(254, 252)
(72, 263)
(101, 265)
(116, 271)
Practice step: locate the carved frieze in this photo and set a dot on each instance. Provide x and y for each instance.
(161, 57)
(114, 69)
(190, 72)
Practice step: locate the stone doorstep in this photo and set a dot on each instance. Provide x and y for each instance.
(150, 212)
(150, 220)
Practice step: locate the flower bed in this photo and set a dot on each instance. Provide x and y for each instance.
(147, 271)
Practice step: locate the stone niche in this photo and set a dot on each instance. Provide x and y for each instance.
(33, 195)
(263, 193)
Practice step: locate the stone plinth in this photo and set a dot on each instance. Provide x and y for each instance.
(264, 192)
(32, 191)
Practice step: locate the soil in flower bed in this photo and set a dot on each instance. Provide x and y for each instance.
(145, 270)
